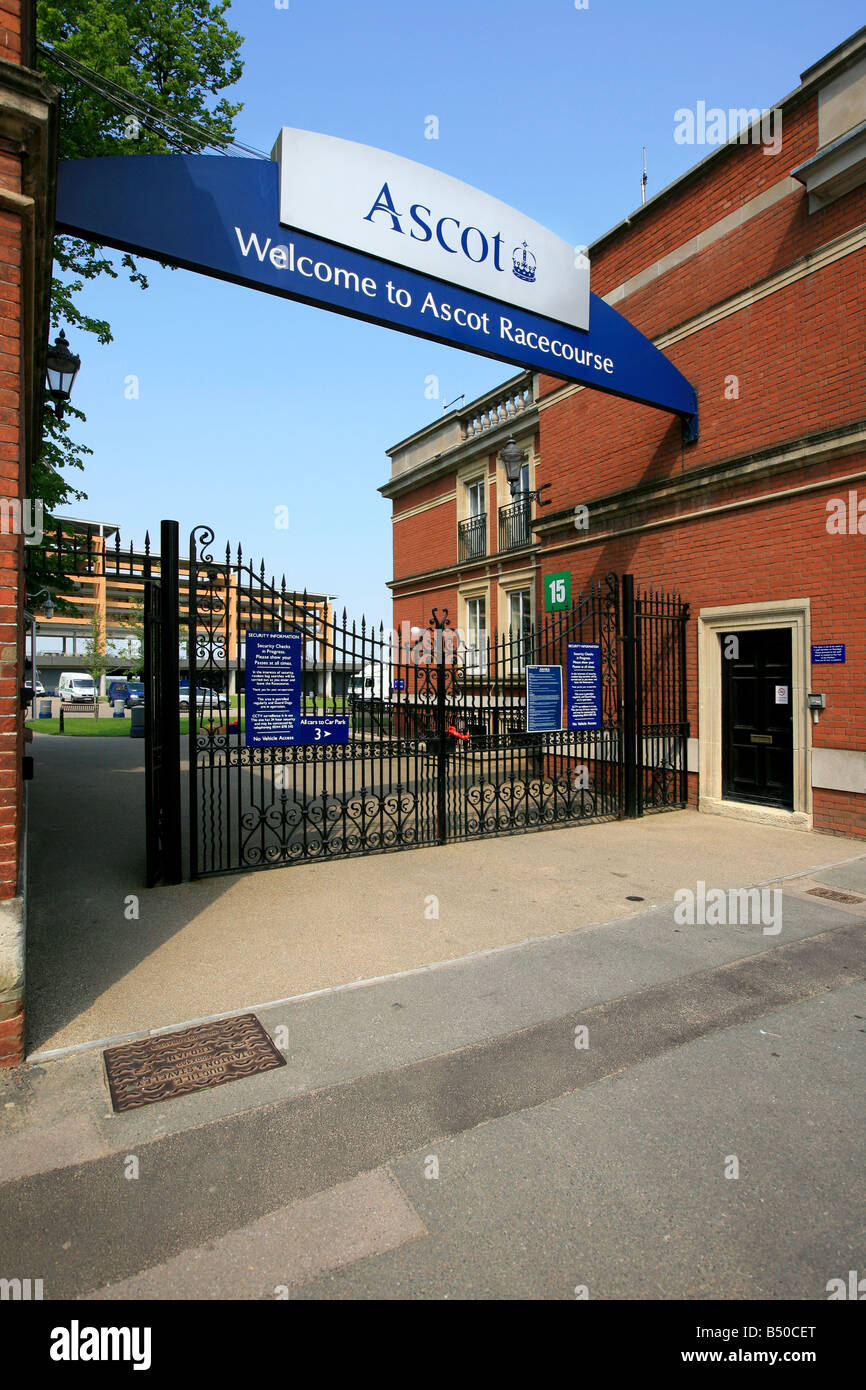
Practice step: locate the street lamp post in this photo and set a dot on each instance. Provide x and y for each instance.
(513, 460)
(61, 369)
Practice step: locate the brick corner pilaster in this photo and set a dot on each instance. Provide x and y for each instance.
(12, 1033)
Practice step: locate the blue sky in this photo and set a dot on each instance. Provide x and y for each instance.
(247, 402)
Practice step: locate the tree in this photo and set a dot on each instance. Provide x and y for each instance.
(176, 55)
(95, 660)
(134, 654)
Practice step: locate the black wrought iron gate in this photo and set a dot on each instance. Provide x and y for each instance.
(438, 748)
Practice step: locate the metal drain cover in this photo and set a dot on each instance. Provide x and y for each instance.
(835, 896)
(174, 1064)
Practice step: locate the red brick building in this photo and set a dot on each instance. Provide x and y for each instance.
(749, 273)
(28, 161)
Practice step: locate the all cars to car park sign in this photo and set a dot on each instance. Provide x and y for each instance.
(376, 237)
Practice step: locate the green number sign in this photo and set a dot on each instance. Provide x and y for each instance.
(557, 592)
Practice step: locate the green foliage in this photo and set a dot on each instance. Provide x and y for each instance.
(177, 54)
(134, 654)
(94, 656)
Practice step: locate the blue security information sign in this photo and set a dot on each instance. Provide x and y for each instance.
(543, 699)
(584, 685)
(828, 653)
(272, 689)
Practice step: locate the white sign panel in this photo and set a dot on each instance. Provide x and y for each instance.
(418, 217)
(781, 694)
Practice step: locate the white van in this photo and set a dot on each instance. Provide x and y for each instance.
(75, 687)
(370, 683)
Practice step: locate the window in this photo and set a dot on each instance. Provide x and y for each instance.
(476, 633)
(519, 627)
(514, 529)
(475, 498)
(472, 532)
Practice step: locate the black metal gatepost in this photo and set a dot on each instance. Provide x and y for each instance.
(169, 700)
(630, 704)
(163, 822)
(153, 752)
(439, 628)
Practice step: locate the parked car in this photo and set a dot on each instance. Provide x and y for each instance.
(130, 692)
(205, 699)
(38, 688)
(76, 688)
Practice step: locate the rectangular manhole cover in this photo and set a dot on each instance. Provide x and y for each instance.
(174, 1064)
(836, 896)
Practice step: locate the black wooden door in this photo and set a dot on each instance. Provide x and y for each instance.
(757, 717)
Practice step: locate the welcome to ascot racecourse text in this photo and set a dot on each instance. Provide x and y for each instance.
(282, 257)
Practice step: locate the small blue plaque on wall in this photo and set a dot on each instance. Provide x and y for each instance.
(828, 653)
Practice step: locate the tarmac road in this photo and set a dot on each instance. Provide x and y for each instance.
(506, 1163)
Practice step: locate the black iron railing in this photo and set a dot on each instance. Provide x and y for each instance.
(514, 525)
(472, 537)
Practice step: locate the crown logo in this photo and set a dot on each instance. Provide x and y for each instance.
(524, 264)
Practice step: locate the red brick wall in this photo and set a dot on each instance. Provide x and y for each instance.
(801, 368)
(11, 546)
(417, 609)
(838, 813)
(738, 174)
(799, 356)
(11, 549)
(10, 30)
(775, 550)
(426, 541)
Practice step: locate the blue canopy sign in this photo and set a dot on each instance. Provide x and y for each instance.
(421, 218)
(400, 245)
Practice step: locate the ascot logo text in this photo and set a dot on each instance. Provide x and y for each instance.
(477, 246)
(77, 1343)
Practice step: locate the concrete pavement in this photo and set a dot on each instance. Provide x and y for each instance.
(437, 1133)
(229, 943)
(558, 1166)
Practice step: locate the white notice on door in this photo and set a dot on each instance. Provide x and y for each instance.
(781, 694)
